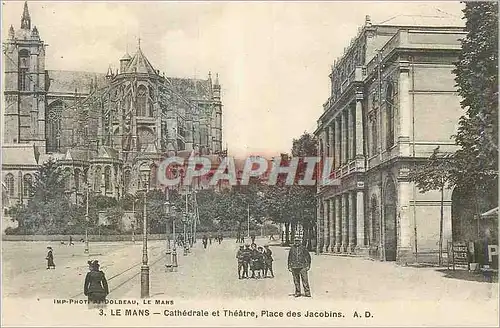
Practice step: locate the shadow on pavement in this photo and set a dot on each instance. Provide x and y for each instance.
(489, 277)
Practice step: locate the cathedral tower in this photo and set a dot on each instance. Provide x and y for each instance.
(24, 67)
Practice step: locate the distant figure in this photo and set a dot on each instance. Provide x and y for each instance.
(252, 236)
(96, 285)
(268, 261)
(210, 238)
(50, 259)
(219, 238)
(299, 262)
(254, 258)
(205, 241)
(271, 237)
(71, 240)
(239, 257)
(247, 255)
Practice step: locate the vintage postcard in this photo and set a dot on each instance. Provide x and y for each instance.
(233, 163)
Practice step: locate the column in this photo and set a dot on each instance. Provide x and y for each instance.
(359, 131)
(319, 234)
(352, 220)
(350, 126)
(338, 143)
(338, 223)
(344, 222)
(360, 218)
(332, 224)
(405, 235)
(404, 109)
(326, 233)
(344, 138)
(331, 139)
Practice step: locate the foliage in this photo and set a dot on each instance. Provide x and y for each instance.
(477, 80)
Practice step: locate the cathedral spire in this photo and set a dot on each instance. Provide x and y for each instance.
(11, 32)
(26, 19)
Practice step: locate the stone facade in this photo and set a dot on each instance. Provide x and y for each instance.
(392, 102)
(107, 130)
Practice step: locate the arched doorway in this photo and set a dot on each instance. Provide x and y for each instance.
(390, 227)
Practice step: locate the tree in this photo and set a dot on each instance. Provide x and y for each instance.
(49, 209)
(476, 161)
(434, 174)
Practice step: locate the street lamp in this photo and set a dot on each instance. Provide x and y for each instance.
(168, 252)
(145, 266)
(86, 251)
(134, 225)
(174, 250)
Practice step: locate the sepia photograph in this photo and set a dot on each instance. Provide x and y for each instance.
(249, 163)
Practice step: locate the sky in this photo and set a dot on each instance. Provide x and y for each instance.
(273, 58)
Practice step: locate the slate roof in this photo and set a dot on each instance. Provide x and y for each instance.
(67, 81)
(140, 64)
(191, 88)
(18, 154)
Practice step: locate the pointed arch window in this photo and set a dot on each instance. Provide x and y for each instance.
(27, 185)
(389, 100)
(97, 178)
(107, 179)
(77, 179)
(126, 179)
(24, 64)
(142, 101)
(9, 184)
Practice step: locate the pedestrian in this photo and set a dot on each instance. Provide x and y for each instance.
(252, 236)
(259, 264)
(220, 237)
(239, 257)
(50, 259)
(299, 262)
(254, 257)
(268, 261)
(96, 285)
(71, 241)
(205, 241)
(210, 238)
(247, 255)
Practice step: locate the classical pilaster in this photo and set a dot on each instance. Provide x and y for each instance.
(360, 218)
(331, 206)
(319, 226)
(326, 226)
(331, 138)
(352, 220)
(338, 142)
(351, 126)
(405, 231)
(345, 133)
(338, 223)
(345, 227)
(404, 109)
(360, 137)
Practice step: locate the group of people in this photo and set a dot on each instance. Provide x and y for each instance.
(258, 260)
(208, 239)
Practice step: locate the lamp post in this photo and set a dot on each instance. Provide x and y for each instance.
(168, 252)
(145, 266)
(86, 251)
(174, 250)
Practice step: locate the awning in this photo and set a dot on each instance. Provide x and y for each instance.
(491, 214)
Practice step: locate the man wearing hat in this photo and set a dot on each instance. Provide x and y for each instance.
(299, 262)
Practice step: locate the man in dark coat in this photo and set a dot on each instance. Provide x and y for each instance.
(96, 285)
(50, 259)
(299, 262)
(268, 261)
(247, 255)
(239, 257)
(205, 241)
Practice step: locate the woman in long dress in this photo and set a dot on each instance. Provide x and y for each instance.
(96, 285)
(50, 259)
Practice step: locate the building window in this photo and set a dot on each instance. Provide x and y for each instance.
(126, 179)
(107, 179)
(9, 184)
(374, 137)
(77, 179)
(389, 101)
(97, 179)
(24, 64)
(142, 101)
(27, 185)
(54, 128)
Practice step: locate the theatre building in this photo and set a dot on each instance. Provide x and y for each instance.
(393, 101)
